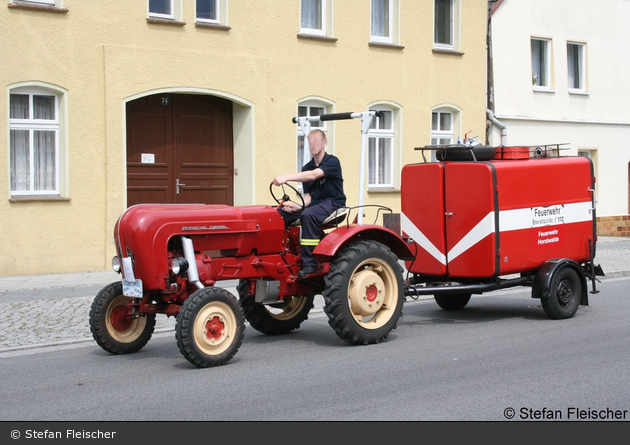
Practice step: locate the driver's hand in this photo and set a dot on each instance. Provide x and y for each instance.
(291, 207)
(279, 180)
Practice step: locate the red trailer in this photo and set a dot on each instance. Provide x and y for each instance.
(475, 224)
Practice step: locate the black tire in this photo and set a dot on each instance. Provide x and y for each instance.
(452, 302)
(210, 327)
(481, 152)
(274, 319)
(361, 274)
(566, 294)
(110, 326)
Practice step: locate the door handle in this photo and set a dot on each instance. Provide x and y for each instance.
(177, 184)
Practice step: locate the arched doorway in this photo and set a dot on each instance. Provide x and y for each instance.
(180, 149)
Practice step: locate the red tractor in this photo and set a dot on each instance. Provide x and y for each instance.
(471, 223)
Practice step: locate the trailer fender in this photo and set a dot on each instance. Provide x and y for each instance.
(541, 287)
(342, 236)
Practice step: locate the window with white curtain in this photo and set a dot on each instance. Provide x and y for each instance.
(381, 149)
(445, 26)
(382, 21)
(575, 61)
(34, 142)
(540, 63)
(313, 17)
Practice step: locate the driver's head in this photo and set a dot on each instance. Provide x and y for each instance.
(317, 142)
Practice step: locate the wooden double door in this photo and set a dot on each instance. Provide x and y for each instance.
(180, 150)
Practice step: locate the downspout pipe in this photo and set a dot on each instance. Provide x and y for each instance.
(499, 124)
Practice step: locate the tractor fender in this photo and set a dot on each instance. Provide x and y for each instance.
(541, 287)
(342, 236)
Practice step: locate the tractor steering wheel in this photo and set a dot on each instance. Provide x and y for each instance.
(288, 195)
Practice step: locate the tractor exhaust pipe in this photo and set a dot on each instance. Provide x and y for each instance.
(189, 254)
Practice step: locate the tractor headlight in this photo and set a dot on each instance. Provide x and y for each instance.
(116, 264)
(179, 265)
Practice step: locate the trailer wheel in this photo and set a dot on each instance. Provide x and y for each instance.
(364, 293)
(210, 327)
(565, 296)
(453, 302)
(112, 327)
(274, 319)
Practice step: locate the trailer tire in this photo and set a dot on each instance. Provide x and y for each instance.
(274, 319)
(210, 327)
(482, 153)
(452, 302)
(110, 326)
(565, 294)
(364, 293)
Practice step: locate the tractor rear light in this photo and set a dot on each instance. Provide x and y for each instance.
(116, 264)
(179, 265)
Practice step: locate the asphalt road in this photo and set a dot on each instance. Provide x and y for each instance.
(500, 357)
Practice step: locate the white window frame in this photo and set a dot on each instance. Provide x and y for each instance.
(302, 153)
(46, 2)
(222, 14)
(377, 135)
(174, 4)
(440, 136)
(454, 23)
(326, 7)
(389, 19)
(32, 125)
(581, 66)
(540, 73)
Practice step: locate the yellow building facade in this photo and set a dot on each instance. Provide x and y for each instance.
(111, 103)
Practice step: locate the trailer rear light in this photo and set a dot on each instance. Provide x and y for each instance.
(116, 264)
(179, 265)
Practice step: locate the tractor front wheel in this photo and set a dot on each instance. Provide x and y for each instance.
(364, 293)
(210, 327)
(113, 325)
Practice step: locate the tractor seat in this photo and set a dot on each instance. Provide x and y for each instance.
(334, 219)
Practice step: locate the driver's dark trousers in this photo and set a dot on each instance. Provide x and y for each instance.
(310, 220)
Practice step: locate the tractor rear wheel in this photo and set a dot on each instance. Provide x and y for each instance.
(210, 327)
(112, 324)
(364, 293)
(277, 318)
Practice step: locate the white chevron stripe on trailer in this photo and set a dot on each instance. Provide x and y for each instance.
(509, 220)
(412, 231)
(483, 228)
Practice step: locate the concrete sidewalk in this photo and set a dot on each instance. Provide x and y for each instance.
(52, 310)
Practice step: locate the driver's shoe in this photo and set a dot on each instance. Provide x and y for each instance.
(308, 270)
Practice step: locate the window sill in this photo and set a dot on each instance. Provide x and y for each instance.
(36, 7)
(385, 45)
(158, 21)
(451, 52)
(212, 26)
(543, 90)
(314, 37)
(31, 198)
(384, 190)
(579, 92)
